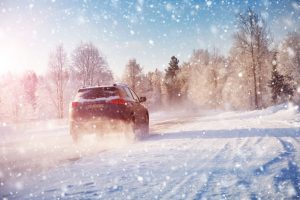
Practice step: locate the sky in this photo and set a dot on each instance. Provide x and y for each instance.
(149, 31)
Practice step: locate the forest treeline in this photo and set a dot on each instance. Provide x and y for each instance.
(256, 73)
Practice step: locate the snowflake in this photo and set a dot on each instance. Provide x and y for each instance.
(151, 42)
(19, 185)
(140, 179)
(169, 7)
(31, 6)
(208, 3)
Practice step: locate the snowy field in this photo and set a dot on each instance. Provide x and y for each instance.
(220, 155)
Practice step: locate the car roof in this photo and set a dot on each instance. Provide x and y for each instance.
(103, 86)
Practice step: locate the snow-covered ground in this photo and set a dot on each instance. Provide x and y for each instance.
(223, 155)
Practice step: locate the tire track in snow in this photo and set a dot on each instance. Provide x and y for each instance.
(235, 177)
(212, 174)
(187, 187)
(289, 174)
(286, 154)
(296, 139)
(173, 192)
(178, 189)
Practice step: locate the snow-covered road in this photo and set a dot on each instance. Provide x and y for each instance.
(228, 155)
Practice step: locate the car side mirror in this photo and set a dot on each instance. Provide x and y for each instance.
(143, 99)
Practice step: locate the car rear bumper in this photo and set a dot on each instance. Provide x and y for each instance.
(114, 112)
(99, 125)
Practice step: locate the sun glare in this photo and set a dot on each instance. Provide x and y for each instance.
(17, 57)
(7, 62)
(11, 58)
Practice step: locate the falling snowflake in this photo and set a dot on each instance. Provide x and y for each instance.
(151, 42)
(208, 3)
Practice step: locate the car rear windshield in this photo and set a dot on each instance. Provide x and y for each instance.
(94, 93)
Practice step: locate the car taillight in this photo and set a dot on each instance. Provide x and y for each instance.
(118, 101)
(75, 104)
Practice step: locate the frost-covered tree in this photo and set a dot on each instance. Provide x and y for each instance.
(206, 76)
(252, 42)
(236, 89)
(89, 66)
(217, 76)
(16, 100)
(46, 108)
(133, 75)
(58, 76)
(182, 80)
(13, 104)
(198, 91)
(155, 95)
(291, 48)
(30, 83)
(289, 59)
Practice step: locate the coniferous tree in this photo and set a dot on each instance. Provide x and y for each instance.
(172, 83)
(281, 86)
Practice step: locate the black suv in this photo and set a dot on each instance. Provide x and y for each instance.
(102, 109)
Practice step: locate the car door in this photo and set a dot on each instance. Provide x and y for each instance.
(131, 102)
(139, 108)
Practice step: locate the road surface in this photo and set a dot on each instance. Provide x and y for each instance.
(217, 155)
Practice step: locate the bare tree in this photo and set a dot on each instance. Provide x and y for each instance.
(253, 41)
(58, 74)
(12, 98)
(90, 65)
